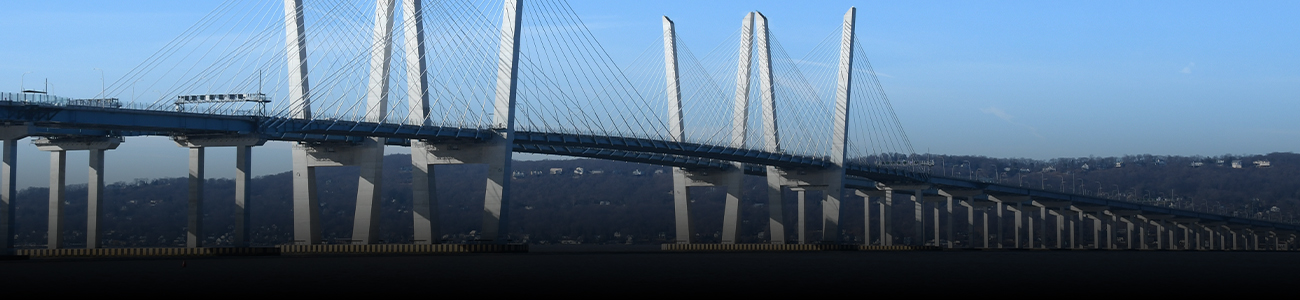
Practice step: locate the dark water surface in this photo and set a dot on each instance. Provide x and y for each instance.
(614, 271)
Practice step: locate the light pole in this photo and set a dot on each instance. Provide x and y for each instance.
(1074, 183)
(968, 172)
(101, 83)
(22, 82)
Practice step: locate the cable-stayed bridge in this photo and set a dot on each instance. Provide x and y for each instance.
(472, 82)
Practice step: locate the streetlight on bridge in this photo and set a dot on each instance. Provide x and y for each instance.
(102, 89)
(22, 82)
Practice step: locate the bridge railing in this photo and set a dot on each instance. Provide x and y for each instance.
(34, 98)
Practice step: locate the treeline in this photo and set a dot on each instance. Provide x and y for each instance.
(616, 202)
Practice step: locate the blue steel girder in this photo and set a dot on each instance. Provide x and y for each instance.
(884, 174)
(290, 127)
(1000, 189)
(669, 147)
(627, 156)
(78, 117)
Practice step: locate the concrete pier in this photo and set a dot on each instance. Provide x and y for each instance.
(58, 148)
(194, 213)
(197, 146)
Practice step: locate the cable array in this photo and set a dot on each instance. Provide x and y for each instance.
(567, 81)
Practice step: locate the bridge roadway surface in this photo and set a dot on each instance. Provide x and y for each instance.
(625, 271)
(52, 118)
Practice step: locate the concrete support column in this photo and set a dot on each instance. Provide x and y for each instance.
(1200, 243)
(1160, 234)
(948, 219)
(1020, 219)
(1110, 231)
(935, 217)
(919, 218)
(306, 205)
(194, 211)
(1235, 245)
(8, 192)
(424, 193)
(1215, 243)
(887, 219)
(776, 211)
(1031, 227)
(496, 214)
(682, 207)
(1060, 228)
(1074, 240)
(731, 211)
(1218, 238)
(1042, 227)
(866, 217)
(1128, 233)
(986, 227)
(970, 224)
(1030, 224)
(803, 229)
(95, 199)
(1223, 241)
(58, 177)
(365, 223)
(1164, 240)
(999, 240)
(1142, 234)
(1173, 237)
(831, 214)
(1096, 232)
(1078, 240)
(243, 208)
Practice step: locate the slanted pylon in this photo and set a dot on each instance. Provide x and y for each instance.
(495, 153)
(368, 154)
(731, 177)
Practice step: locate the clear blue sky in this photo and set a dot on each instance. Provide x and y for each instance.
(997, 78)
